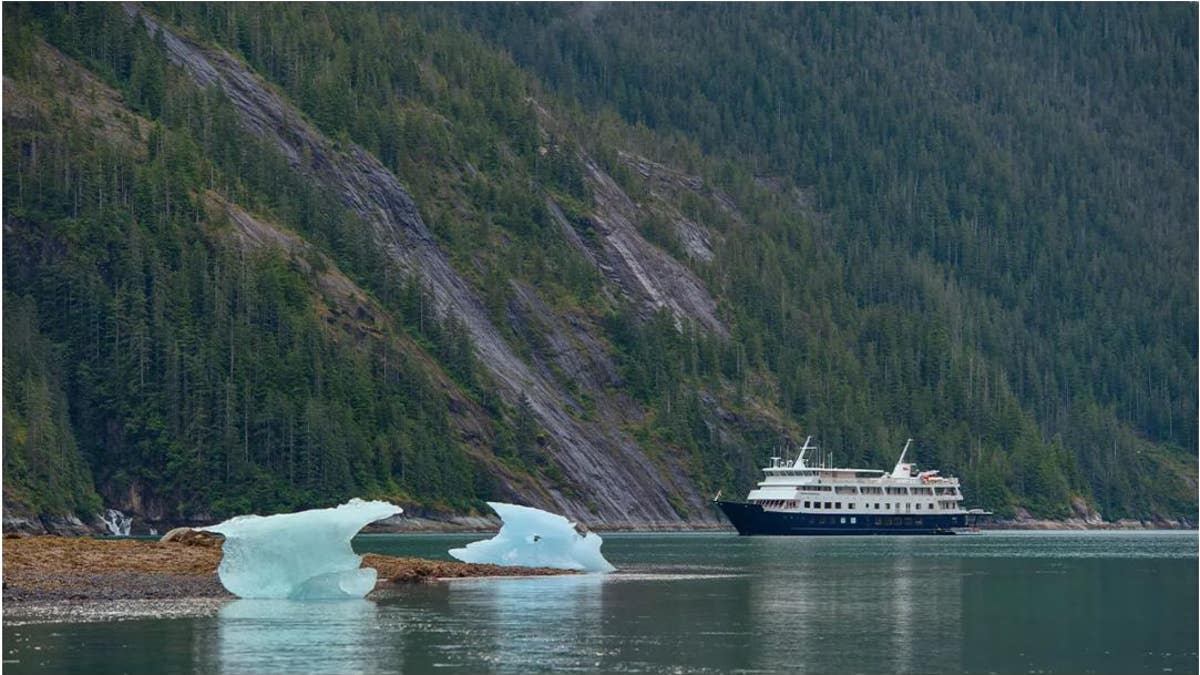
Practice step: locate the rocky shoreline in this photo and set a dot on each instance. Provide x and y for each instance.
(417, 521)
(1080, 524)
(55, 569)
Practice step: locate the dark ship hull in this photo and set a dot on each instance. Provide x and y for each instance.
(753, 519)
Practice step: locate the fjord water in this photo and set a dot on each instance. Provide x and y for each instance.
(999, 602)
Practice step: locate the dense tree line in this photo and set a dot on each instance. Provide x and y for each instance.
(970, 225)
(197, 371)
(1006, 250)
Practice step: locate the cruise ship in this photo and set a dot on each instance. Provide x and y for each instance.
(795, 498)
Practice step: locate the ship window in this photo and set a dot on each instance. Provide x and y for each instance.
(829, 505)
(806, 504)
(853, 520)
(838, 506)
(843, 520)
(918, 507)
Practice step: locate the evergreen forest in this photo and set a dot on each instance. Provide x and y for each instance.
(676, 238)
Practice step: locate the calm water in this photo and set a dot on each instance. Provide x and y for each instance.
(692, 603)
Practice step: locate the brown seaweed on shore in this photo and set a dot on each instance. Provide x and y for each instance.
(415, 570)
(49, 568)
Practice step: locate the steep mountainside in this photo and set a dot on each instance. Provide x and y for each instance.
(261, 257)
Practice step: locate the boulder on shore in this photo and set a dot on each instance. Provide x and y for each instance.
(190, 537)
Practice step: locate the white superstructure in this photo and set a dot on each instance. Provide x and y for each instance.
(796, 487)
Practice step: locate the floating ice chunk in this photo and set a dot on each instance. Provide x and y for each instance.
(534, 538)
(301, 556)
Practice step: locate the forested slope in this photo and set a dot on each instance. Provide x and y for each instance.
(275, 256)
(1018, 179)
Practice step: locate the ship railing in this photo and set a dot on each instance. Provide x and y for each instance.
(886, 480)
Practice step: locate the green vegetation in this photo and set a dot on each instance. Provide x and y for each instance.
(42, 465)
(1004, 261)
(195, 370)
(974, 226)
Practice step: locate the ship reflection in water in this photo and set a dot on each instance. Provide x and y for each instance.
(804, 611)
(897, 614)
(699, 603)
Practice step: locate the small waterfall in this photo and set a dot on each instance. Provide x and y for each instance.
(118, 523)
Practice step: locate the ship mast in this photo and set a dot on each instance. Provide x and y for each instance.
(901, 469)
(800, 460)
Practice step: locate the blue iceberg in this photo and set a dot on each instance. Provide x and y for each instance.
(299, 556)
(531, 537)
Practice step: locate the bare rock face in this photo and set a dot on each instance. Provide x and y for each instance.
(643, 270)
(695, 240)
(617, 484)
(20, 520)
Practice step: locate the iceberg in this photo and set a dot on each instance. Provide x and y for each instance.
(531, 537)
(299, 556)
